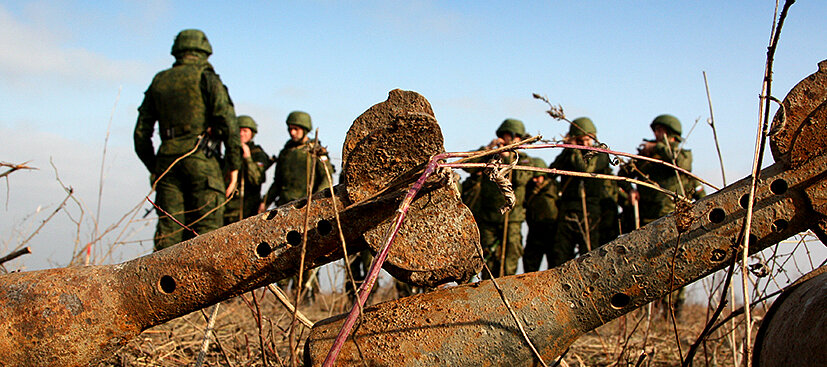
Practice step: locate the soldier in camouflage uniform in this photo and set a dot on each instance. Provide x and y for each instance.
(571, 223)
(192, 107)
(541, 216)
(487, 203)
(666, 147)
(653, 204)
(291, 177)
(251, 175)
(290, 180)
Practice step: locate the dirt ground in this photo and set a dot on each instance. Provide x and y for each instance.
(241, 337)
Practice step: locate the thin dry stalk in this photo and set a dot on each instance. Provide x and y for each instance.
(763, 130)
(310, 178)
(714, 131)
(205, 344)
(282, 298)
(96, 219)
(15, 254)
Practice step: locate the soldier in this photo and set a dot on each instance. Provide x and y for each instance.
(251, 175)
(666, 147)
(653, 204)
(291, 177)
(541, 217)
(493, 225)
(579, 203)
(193, 109)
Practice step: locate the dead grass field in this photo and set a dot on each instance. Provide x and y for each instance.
(618, 343)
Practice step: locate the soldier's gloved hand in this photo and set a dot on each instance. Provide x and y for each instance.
(233, 176)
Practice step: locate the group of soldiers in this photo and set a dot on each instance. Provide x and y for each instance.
(198, 186)
(199, 189)
(570, 213)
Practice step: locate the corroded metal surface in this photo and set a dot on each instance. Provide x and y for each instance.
(794, 330)
(75, 316)
(437, 243)
(798, 129)
(469, 326)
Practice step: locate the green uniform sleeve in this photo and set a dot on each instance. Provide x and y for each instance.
(144, 128)
(221, 117)
(256, 165)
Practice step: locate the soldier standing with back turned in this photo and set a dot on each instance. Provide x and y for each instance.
(192, 108)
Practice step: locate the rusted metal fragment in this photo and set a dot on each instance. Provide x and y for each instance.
(794, 330)
(76, 316)
(798, 129)
(437, 244)
(469, 325)
(387, 140)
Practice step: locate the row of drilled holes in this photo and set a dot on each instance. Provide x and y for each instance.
(294, 238)
(718, 215)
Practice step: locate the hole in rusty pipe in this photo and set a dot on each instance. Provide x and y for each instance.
(272, 214)
(620, 300)
(263, 250)
(779, 187)
(294, 238)
(744, 201)
(324, 227)
(718, 255)
(298, 204)
(167, 284)
(717, 215)
(779, 225)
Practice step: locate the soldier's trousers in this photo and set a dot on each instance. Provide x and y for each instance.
(491, 235)
(571, 235)
(538, 243)
(192, 192)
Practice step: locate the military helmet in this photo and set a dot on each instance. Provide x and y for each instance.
(248, 122)
(539, 163)
(512, 126)
(300, 119)
(671, 123)
(191, 40)
(582, 126)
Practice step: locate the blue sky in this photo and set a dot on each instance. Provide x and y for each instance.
(69, 69)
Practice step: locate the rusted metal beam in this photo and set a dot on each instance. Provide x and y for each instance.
(75, 316)
(468, 325)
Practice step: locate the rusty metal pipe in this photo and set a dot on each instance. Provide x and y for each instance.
(76, 316)
(469, 325)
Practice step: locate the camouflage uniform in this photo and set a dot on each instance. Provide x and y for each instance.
(654, 204)
(290, 182)
(570, 223)
(250, 178)
(290, 179)
(186, 100)
(609, 226)
(541, 216)
(486, 208)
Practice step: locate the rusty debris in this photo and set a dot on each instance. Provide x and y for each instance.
(78, 315)
(560, 304)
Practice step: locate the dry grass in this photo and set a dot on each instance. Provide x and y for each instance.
(177, 343)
